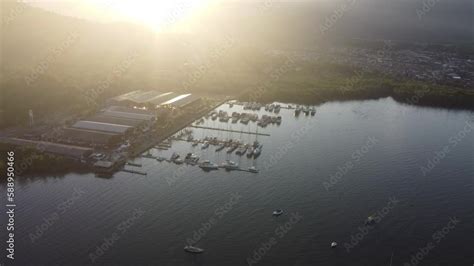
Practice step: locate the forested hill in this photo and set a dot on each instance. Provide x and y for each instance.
(51, 62)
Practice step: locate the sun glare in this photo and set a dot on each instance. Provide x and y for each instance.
(158, 14)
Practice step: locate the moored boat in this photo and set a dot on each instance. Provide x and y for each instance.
(230, 165)
(277, 212)
(192, 249)
(208, 165)
(253, 169)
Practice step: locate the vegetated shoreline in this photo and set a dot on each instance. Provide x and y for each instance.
(423, 96)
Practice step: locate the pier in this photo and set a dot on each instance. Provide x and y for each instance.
(133, 171)
(230, 130)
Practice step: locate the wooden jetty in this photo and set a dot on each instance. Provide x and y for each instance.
(133, 171)
(134, 164)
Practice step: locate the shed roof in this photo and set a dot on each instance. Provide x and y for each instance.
(101, 126)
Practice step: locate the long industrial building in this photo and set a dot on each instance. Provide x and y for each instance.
(125, 115)
(154, 99)
(89, 137)
(108, 127)
(103, 127)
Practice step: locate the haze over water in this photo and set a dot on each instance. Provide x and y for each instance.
(177, 200)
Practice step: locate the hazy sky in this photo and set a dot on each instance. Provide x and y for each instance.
(153, 13)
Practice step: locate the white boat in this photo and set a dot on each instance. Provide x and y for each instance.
(297, 111)
(208, 165)
(277, 108)
(178, 161)
(253, 169)
(191, 158)
(333, 244)
(232, 148)
(192, 249)
(370, 220)
(221, 147)
(250, 152)
(174, 156)
(242, 150)
(277, 212)
(205, 145)
(306, 111)
(230, 165)
(257, 151)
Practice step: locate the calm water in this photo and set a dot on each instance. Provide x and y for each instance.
(374, 151)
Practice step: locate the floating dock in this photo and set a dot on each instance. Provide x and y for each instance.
(230, 130)
(133, 171)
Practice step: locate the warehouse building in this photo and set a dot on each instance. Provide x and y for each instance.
(153, 99)
(140, 98)
(103, 127)
(69, 151)
(90, 138)
(116, 120)
(182, 101)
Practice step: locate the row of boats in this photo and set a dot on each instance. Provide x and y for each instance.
(244, 118)
(207, 165)
(306, 110)
(258, 106)
(251, 150)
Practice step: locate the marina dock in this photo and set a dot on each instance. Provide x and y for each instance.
(133, 171)
(230, 130)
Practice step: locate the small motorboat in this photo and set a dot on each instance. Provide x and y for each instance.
(333, 244)
(370, 220)
(230, 165)
(174, 156)
(221, 147)
(208, 165)
(192, 249)
(253, 169)
(277, 212)
(205, 145)
(250, 152)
